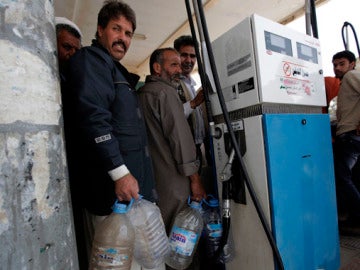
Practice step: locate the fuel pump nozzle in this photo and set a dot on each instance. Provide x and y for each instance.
(225, 177)
(226, 172)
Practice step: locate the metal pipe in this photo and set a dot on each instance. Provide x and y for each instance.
(308, 17)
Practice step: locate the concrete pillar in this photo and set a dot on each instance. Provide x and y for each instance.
(36, 225)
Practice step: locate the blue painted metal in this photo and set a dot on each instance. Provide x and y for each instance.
(302, 190)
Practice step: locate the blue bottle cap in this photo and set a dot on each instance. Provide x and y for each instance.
(213, 203)
(195, 205)
(121, 208)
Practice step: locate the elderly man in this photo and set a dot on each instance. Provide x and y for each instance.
(170, 140)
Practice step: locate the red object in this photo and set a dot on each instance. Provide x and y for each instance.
(332, 86)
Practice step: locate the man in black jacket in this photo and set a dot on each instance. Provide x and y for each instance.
(110, 158)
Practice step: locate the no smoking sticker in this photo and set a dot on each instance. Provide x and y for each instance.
(287, 69)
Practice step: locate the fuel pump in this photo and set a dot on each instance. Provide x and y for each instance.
(242, 169)
(269, 89)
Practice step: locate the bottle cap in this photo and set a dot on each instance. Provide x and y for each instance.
(195, 205)
(121, 208)
(212, 201)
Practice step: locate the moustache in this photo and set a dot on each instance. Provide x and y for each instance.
(187, 65)
(120, 42)
(176, 77)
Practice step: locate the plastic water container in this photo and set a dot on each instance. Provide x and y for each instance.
(113, 242)
(212, 226)
(151, 241)
(213, 230)
(184, 236)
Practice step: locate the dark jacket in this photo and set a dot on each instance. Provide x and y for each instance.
(107, 128)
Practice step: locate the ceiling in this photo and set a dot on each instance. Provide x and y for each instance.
(159, 22)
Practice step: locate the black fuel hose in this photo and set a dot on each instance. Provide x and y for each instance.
(346, 45)
(226, 220)
(206, 85)
(204, 79)
(313, 19)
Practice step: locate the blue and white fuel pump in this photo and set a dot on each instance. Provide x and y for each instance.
(273, 86)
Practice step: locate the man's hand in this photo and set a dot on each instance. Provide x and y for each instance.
(197, 189)
(198, 99)
(126, 188)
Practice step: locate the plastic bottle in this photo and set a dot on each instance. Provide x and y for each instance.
(184, 236)
(212, 226)
(151, 241)
(113, 241)
(213, 231)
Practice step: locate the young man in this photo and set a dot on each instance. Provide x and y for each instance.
(347, 141)
(109, 143)
(192, 100)
(171, 143)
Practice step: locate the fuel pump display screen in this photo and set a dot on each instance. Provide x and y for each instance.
(278, 43)
(306, 53)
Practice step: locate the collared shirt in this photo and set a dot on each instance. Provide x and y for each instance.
(348, 103)
(199, 127)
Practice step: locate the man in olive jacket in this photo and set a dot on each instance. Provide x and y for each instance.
(170, 140)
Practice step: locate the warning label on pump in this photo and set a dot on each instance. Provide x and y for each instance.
(287, 69)
(295, 80)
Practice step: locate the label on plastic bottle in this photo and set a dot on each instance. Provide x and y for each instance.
(110, 257)
(214, 229)
(183, 241)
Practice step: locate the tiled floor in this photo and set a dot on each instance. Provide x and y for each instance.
(349, 253)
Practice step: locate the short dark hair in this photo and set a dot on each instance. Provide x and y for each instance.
(158, 57)
(113, 9)
(183, 41)
(345, 54)
(68, 28)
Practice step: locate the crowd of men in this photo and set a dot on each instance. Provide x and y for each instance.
(122, 141)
